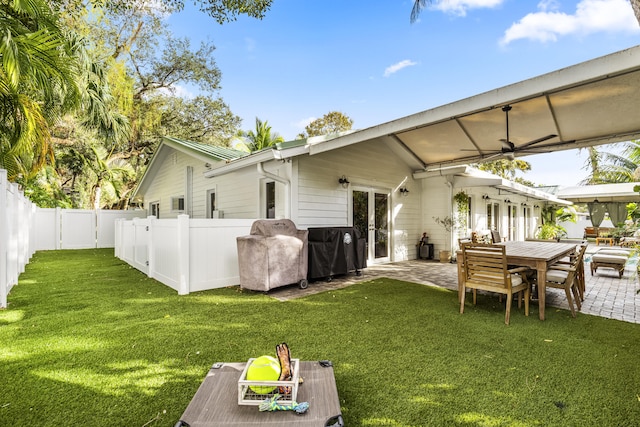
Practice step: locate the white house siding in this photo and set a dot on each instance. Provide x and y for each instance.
(170, 181)
(436, 203)
(322, 201)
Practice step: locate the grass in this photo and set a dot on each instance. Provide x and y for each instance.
(87, 340)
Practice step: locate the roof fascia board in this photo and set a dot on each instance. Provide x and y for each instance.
(241, 163)
(576, 75)
(287, 153)
(531, 192)
(150, 172)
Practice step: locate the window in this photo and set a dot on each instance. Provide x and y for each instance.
(527, 222)
(493, 216)
(270, 198)
(154, 209)
(177, 203)
(211, 203)
(512, 232)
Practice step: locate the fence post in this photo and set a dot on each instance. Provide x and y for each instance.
(151, 259)
(4, 239)
(183, 254)
(58, 228)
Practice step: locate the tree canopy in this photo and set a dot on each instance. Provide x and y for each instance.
(332, 122)
(88, 88)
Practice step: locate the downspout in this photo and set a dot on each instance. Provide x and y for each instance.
(287, 188)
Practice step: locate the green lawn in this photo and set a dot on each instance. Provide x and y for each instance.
(87, 340)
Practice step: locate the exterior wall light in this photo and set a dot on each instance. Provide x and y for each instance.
(343, 181)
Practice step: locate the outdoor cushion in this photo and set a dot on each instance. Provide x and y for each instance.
(557, 276)
(611, 259)
(617, 262)
(617, 252)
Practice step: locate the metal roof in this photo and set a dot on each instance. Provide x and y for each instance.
(212, 151)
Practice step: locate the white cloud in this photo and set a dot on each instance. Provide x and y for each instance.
(397, 67)
(250, 44)
(301, 124)
(460, 7)
(591, 16)
(177, 90)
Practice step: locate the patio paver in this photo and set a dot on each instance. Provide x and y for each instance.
(606, 295)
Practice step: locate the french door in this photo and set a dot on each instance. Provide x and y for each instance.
(371, 218)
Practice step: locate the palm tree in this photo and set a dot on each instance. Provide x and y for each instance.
(45, 73)
(418, 5)
(260, 139)
(36, 82)
(610, 168)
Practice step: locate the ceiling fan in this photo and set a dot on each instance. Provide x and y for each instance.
(509, 149)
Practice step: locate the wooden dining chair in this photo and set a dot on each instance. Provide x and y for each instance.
(569, 276)
(485, 268)
(495, 236)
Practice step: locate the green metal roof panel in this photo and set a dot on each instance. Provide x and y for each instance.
(221, 153)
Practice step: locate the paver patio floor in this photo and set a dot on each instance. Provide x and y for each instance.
(606, 295)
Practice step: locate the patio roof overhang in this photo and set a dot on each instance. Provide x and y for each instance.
(467, 176)
(604, 193)
(592, 103)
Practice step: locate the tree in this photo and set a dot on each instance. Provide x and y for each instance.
(418, 5)
(220, 10)
(146, 67)
(37, 84)
(505, 168)
(332, 122)
(260, 139)
(610, 168)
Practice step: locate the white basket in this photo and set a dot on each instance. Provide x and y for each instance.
(288, 390)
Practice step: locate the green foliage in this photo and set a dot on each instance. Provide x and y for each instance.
(550, 231)
(505, 168)
(332, 122)
(445, 222)
(109, 346)
(461, 199)
(259, 139)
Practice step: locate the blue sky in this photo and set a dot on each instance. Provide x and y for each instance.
(365, 59)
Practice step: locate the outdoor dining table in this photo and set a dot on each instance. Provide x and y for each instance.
(536, 255)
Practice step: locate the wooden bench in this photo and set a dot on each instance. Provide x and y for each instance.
(595, 232)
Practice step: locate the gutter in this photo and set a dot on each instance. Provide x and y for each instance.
(284, 181)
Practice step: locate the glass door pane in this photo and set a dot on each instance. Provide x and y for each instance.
(370, 217)
(381, 226)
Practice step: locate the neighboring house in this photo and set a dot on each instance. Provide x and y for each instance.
(367, 185)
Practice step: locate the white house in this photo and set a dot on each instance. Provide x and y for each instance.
(363, 185)
(391, 180)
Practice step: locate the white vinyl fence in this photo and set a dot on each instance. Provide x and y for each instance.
(25, 229)
(187, 255)
(17, 216)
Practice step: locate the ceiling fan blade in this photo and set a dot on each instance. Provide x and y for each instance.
(536, 141)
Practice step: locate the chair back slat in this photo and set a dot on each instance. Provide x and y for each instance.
(486, 265)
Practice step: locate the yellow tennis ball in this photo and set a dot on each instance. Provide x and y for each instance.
(263, 368)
